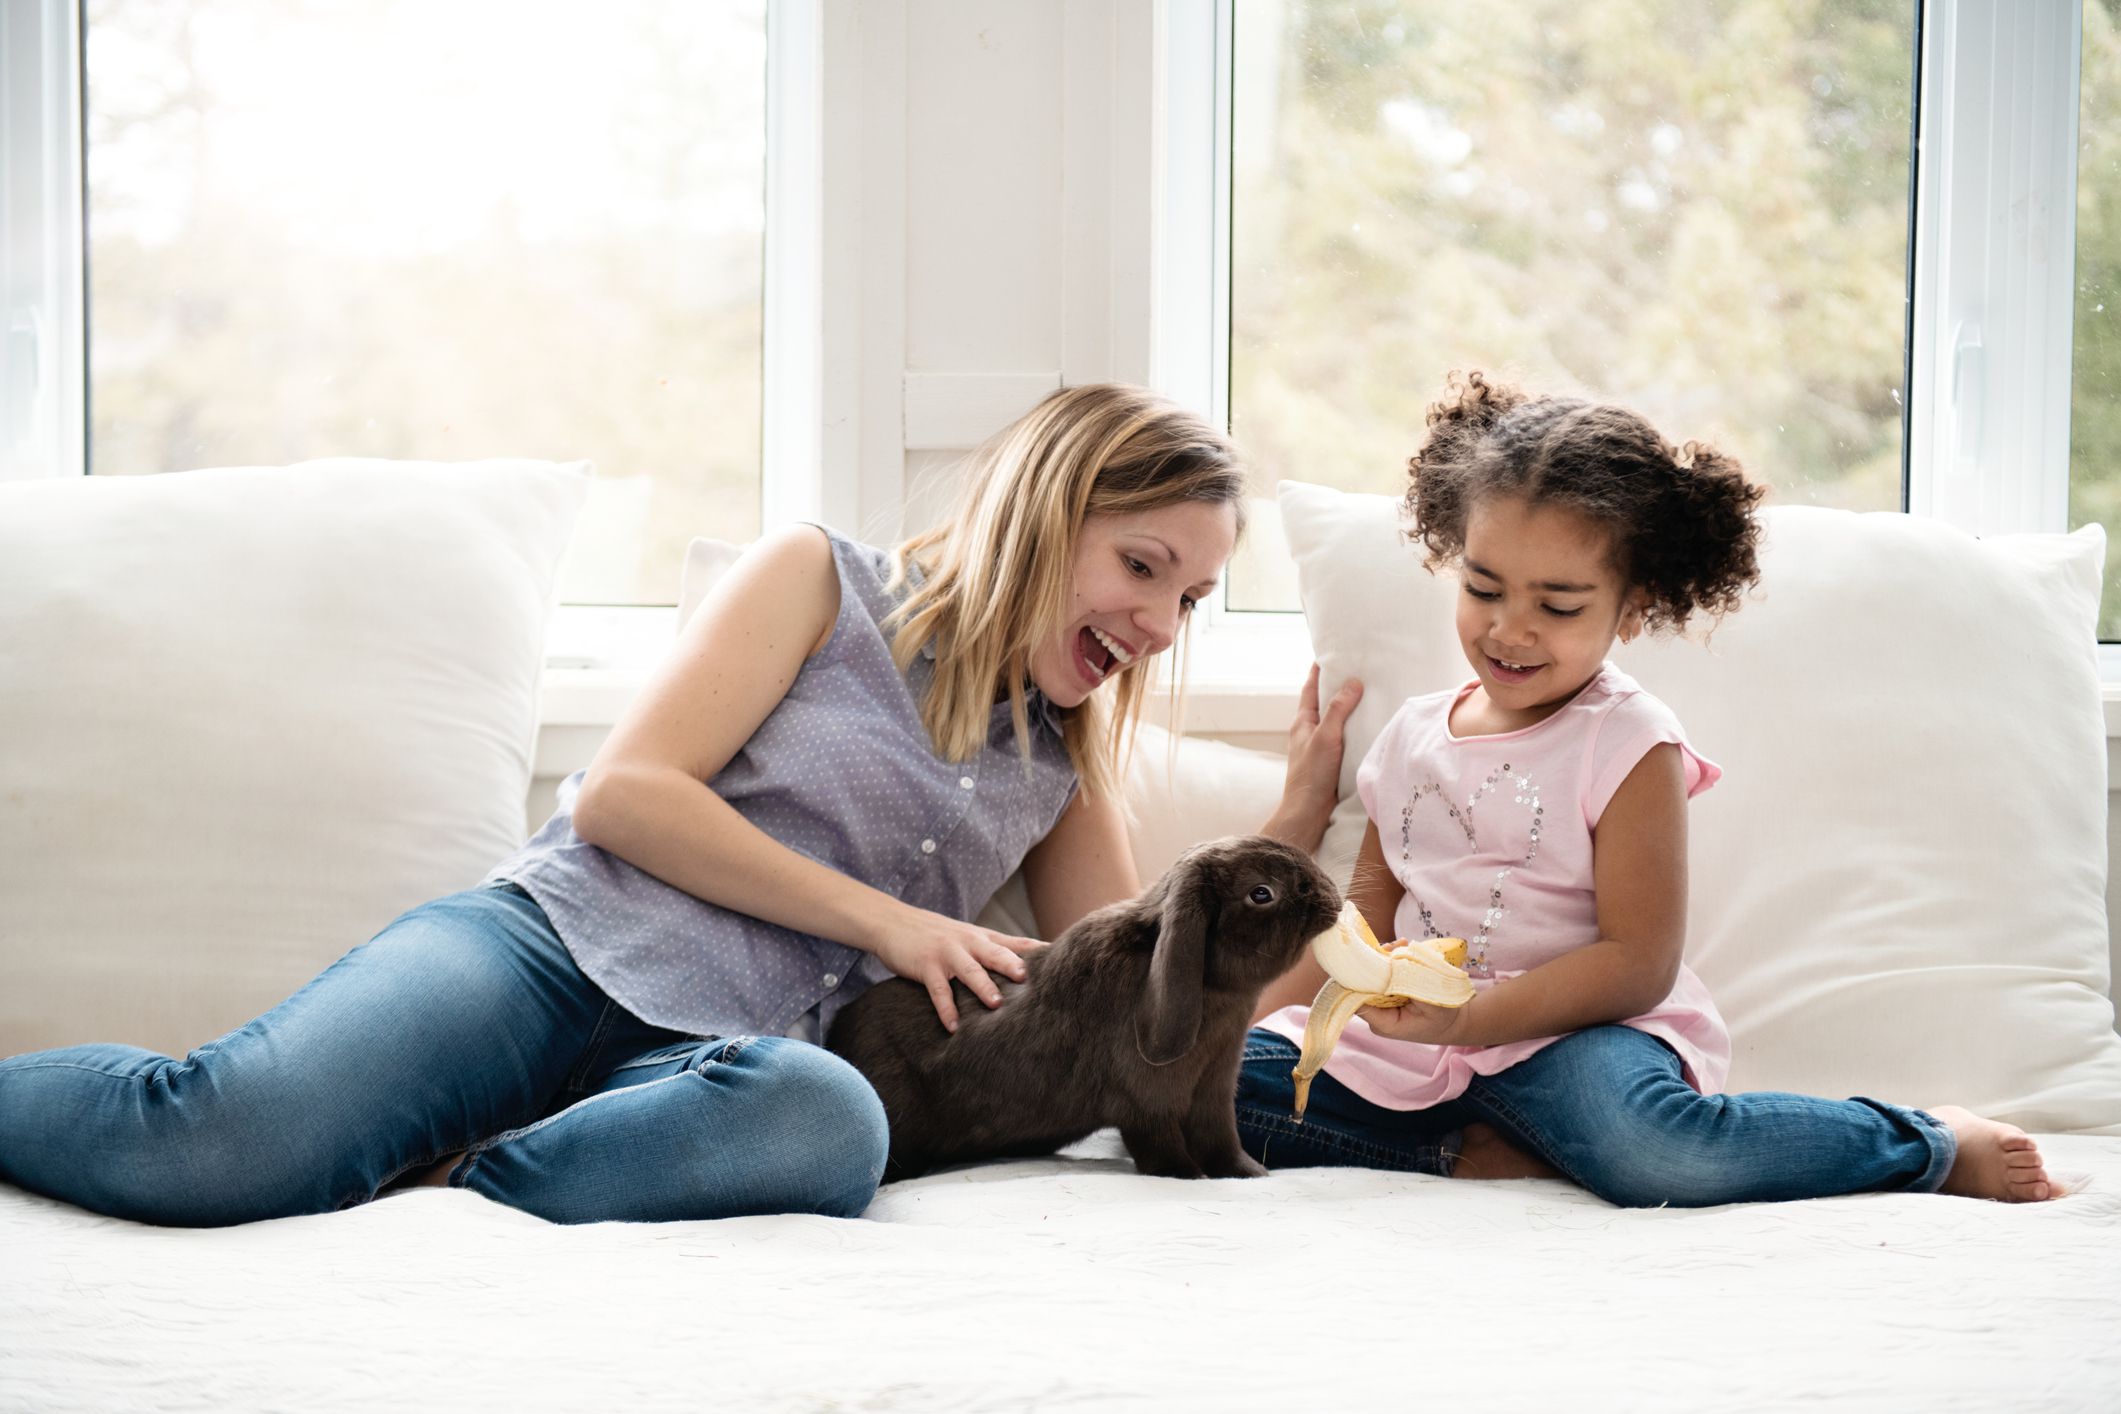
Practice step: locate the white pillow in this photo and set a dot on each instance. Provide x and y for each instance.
(249, 715)
(1898, 889)
(1202, 791)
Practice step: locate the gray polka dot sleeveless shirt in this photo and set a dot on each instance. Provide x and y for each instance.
(841, 771)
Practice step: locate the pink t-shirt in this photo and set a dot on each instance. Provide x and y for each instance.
(1491, 837)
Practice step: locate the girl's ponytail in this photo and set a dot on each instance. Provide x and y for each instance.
(1700, 553)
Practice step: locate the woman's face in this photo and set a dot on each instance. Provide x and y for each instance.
(1135, 578)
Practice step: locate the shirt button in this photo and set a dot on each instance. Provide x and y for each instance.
(832, 979)
(927, 846)
(965, 781)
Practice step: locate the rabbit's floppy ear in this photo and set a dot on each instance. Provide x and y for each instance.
(1177, 972)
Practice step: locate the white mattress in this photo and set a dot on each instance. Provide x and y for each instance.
(1074, 1282)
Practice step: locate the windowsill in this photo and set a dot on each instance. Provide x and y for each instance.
(1241, 680)
(594, 697)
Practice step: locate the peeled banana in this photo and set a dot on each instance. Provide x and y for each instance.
(1360, 972)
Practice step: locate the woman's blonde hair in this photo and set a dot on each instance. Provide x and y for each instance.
(996, 575)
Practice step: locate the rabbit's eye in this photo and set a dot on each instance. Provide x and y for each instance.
(1262, 895)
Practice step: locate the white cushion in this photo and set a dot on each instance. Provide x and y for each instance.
(248, 716)
(706, 561)
(1898, 888)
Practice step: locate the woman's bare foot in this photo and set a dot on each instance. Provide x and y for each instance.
(436, 1177)
(1484, 1153)
(1996, 1160)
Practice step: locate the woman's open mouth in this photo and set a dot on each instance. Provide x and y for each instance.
(1097, 654)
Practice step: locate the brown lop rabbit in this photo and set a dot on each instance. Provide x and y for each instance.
(1135, 1017)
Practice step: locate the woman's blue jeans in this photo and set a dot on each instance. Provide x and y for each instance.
(1610, 1108)
(464, 1026)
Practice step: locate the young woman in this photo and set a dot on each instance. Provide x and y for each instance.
(846, 753)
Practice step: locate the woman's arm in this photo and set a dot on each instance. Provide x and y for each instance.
(1640, 874)
(645, 797)
(1081, 865)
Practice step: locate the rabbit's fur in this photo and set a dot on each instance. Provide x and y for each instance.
(1135, 1017)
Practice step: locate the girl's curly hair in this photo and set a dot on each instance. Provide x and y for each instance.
(1681, 519)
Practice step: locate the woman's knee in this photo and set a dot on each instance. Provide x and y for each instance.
(829, 1138)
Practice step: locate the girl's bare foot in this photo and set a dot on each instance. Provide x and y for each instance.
(1484, 1153)
(1996, 1160)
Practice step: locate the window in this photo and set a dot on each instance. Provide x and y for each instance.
(2095, 387)
(397, 229)
(1702, 212)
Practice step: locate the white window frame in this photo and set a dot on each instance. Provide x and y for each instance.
(43, 422)
(1995, 247)
(43, 367)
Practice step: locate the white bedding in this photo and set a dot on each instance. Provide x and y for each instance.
(1073, 1282)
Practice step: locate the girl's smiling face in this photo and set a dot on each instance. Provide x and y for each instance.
(1539, 604)
(1135, 578)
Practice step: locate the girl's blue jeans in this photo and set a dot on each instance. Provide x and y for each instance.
(464, 1026)
(1610, 1109)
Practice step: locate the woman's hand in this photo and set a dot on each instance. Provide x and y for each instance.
(932, 950)
(1431, 1025)
(1312, 786)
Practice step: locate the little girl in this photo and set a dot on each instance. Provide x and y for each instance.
(1539, 812)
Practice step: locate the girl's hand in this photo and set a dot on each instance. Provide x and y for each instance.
(1431, 1025)
(932, 950)
(1316, 740)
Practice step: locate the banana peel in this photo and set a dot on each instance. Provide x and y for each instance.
(1360, 972)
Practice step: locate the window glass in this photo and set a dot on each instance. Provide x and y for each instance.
(2095, 387)
(1698, 210)
(443, 231)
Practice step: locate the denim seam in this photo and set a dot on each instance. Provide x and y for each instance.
(461, 1175)
(661, 1055)
(732, 1047)
(1340, 1141)
(577, 1078)
(89, 1069)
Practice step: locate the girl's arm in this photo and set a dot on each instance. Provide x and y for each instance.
(645, 797)
(1312, 787)
(1639, 872)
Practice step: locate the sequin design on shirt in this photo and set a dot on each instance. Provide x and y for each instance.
(1526, 794)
